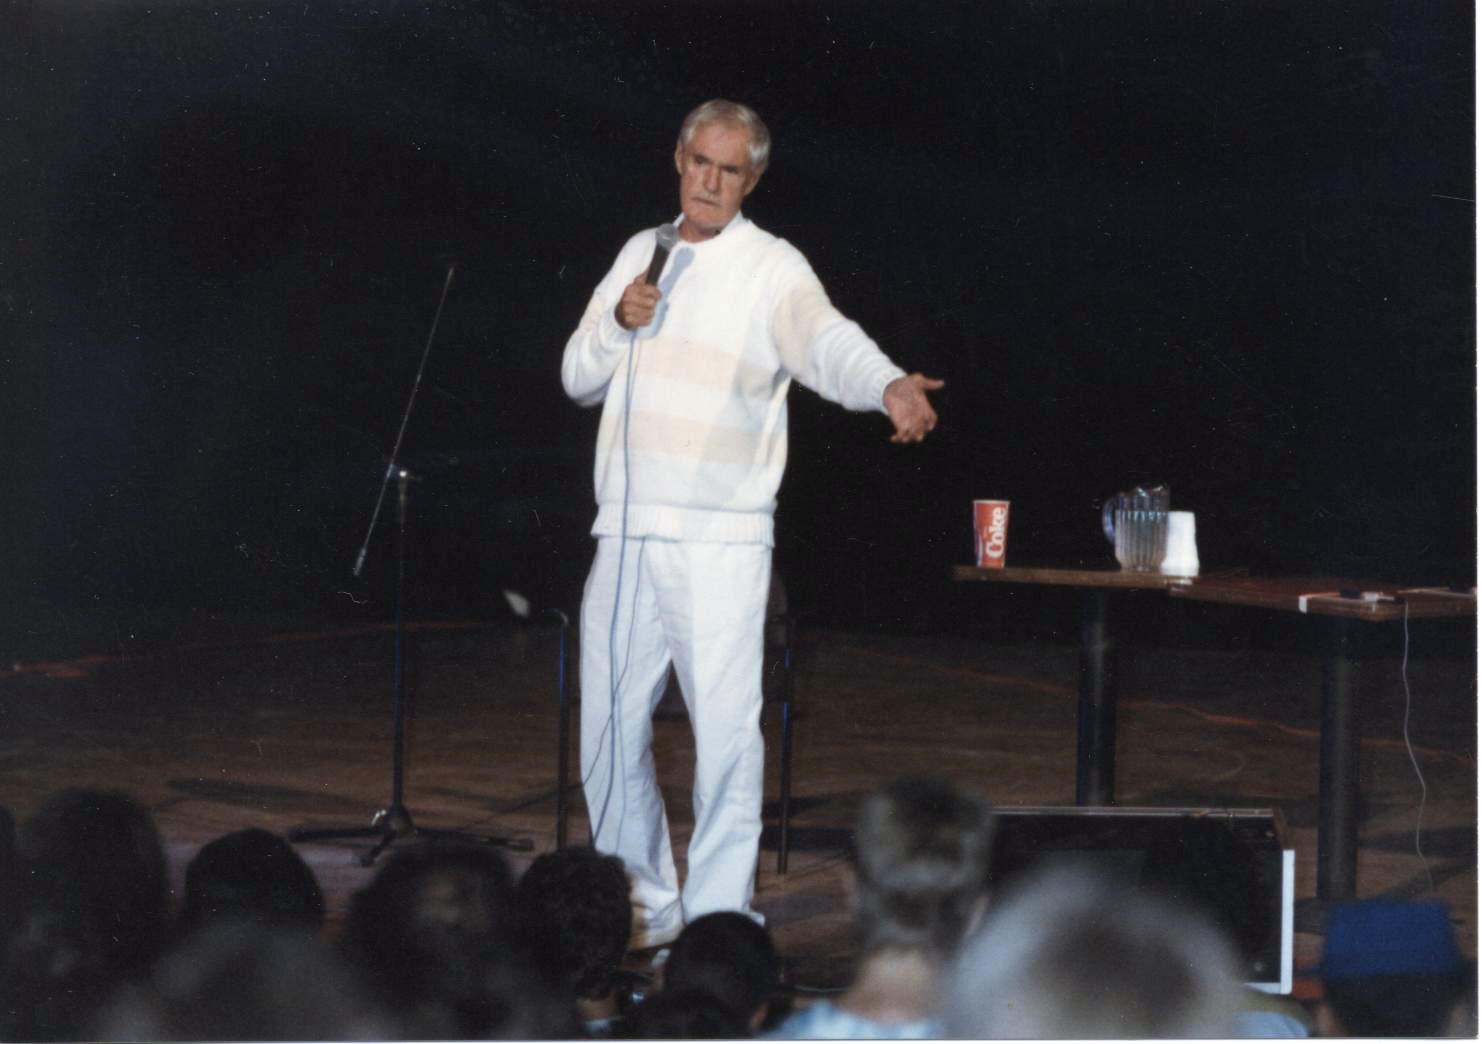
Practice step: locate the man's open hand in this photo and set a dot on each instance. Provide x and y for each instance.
(909, 408)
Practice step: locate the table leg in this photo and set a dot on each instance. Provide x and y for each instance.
(1338, 782)
(1096, 713)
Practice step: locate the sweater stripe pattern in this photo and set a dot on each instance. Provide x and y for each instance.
(704, 429)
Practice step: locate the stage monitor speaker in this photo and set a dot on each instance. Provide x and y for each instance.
(1231, 862)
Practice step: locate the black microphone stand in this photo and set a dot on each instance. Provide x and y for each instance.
(394, 822)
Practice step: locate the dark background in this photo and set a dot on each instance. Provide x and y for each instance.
(1226, 246)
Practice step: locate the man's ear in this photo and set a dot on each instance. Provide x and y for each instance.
(751, 181)
(679, 158)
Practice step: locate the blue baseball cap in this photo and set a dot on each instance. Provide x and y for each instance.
(1386, 937)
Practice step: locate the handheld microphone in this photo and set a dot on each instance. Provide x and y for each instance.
(664, 241)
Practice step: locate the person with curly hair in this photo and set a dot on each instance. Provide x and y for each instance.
(575, 910)
(435, 936)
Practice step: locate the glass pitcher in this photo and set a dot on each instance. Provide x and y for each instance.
(1136, 523)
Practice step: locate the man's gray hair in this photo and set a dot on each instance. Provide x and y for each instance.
(1069, 955)
(719, 110)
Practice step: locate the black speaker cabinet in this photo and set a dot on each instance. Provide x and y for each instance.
(1230, 862)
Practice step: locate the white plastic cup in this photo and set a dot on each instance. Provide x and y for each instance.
(1182, 555)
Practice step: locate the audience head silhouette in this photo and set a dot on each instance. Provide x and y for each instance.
(92, 904)
(922, 850)
(1392, 969)
(1068, 954)
(730, 957)
(251, 875)
(921, 858)
(435, 932)
(575, 909)
(240, 980)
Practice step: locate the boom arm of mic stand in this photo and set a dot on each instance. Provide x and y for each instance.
(391, 466)
(375, 516)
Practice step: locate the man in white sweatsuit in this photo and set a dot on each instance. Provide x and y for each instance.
(692, 375)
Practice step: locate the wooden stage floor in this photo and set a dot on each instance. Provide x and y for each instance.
(218, 724)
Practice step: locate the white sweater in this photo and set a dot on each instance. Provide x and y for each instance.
(742, 315)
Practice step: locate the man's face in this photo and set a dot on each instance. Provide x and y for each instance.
(715, 175)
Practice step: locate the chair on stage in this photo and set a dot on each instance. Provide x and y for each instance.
(779, 688)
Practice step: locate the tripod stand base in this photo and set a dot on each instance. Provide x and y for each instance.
(394, 823)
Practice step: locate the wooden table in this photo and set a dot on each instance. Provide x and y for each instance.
(1340, 602)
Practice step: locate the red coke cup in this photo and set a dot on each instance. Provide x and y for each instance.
(991, 527)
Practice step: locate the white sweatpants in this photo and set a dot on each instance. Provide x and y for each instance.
(701, 606)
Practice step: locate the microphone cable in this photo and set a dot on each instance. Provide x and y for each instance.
(1410, 750)
(610, 732)
(665, 236)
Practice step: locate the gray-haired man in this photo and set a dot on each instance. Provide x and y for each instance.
(693, 375)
